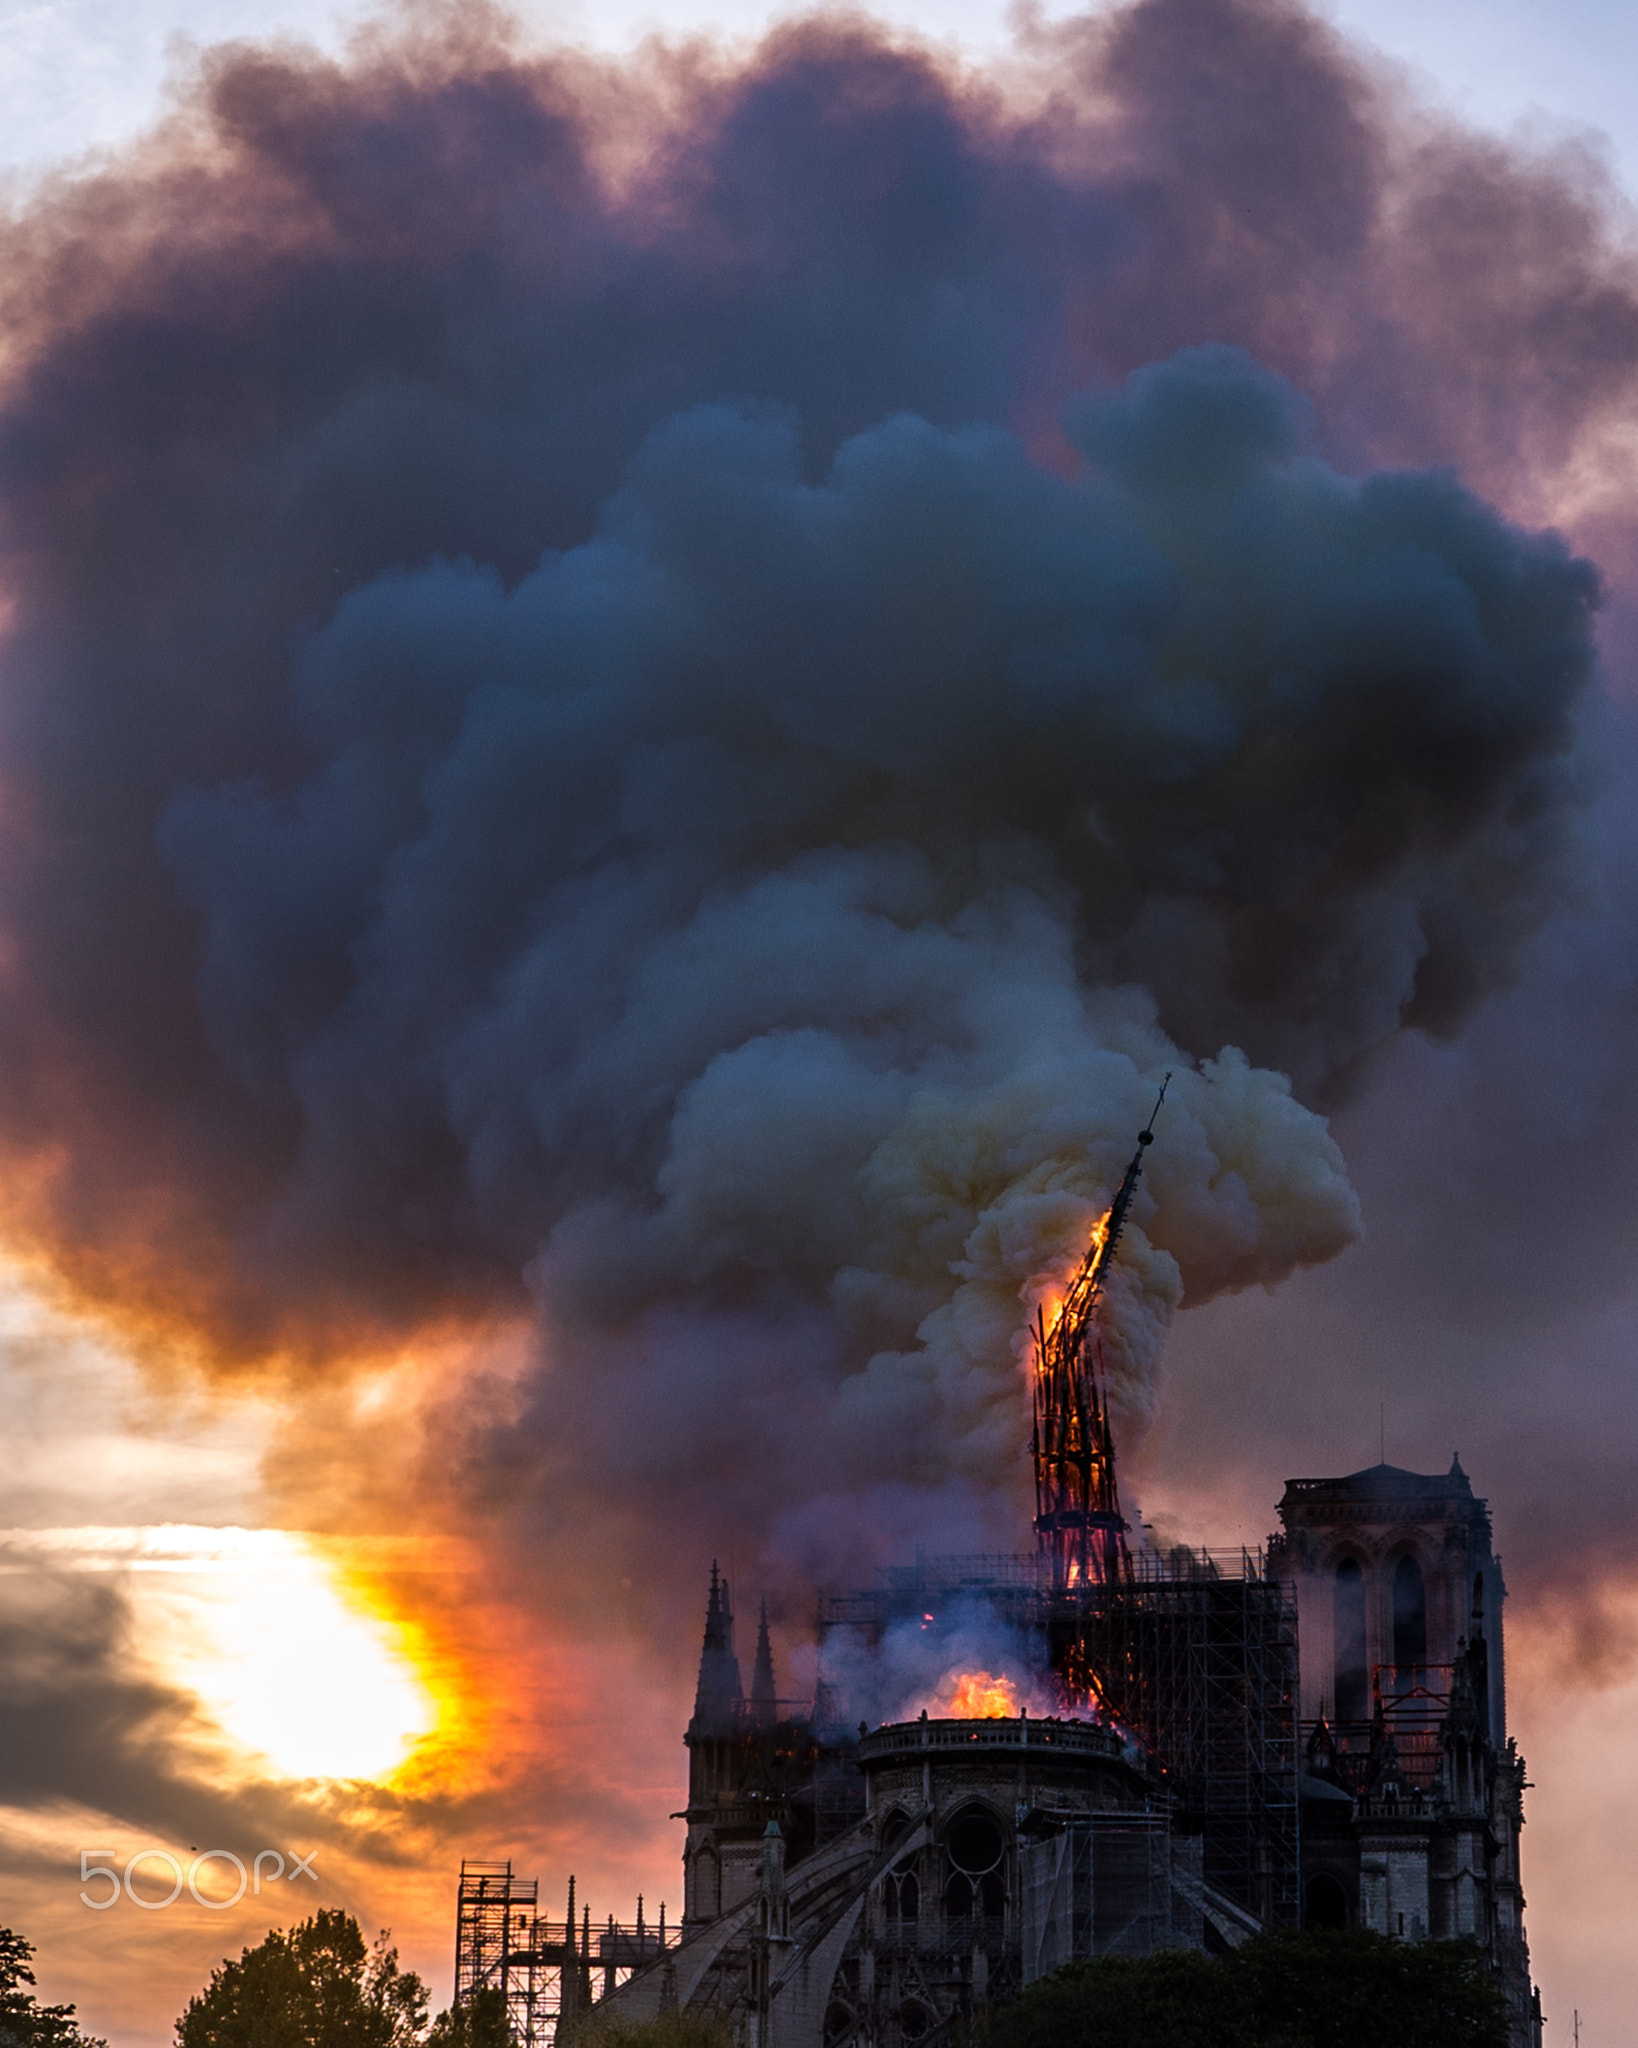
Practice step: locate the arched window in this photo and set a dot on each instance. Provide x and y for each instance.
(1410, 1615)
(707, 1884)
(1325, 1903)
(976, 1848)
(1352, 1672)
(839, 2024)
(902, 1894)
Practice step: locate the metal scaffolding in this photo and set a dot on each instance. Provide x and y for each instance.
(1194, 1655)
(545, 1970)
(1201, 1667)
(1405, 1733)
(1100, 1885)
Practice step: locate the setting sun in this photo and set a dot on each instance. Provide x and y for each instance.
(254, 1624)
(292, 1671)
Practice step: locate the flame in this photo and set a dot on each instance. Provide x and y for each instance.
(982, 1696)
(1048, 1293)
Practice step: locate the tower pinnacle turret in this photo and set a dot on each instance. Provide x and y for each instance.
(764, 1704)
(718, 1698)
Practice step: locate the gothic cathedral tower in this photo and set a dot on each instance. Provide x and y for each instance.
(1412, 1793)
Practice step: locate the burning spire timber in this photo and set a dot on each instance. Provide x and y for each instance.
(1078, 1522)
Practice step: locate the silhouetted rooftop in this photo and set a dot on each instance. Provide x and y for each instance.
(1383, 1483)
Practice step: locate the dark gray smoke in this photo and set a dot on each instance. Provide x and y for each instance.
(646, 700)
(659, 699)
(743, 907)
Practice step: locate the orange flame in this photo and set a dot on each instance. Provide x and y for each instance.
(1051, 1293)
(982, 1696)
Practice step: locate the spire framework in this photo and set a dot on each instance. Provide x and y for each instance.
(1079, 1527)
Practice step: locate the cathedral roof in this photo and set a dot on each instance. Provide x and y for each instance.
(1383, 1483)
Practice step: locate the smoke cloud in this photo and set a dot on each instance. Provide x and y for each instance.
(658, 694)
(642, 701)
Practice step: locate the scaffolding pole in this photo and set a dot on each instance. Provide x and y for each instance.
(1201, 1669)
(546, 1971)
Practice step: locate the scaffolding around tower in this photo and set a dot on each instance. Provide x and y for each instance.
(1196, 1656)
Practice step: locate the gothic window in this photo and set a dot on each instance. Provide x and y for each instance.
(974, 1841)
(1352, 1667)
(976, 1848)
(707, 1884)
(902, 1893)
(914, 2019)
(1410, 1615)
(838, 2024)
(1325, 1903)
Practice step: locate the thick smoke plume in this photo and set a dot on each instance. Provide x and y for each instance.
(641, 702)
(657, 695)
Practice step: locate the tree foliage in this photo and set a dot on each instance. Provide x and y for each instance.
(24, 2022)
(668, 2030)
(1311, 1990)
(480, 2023)
(317, 1986)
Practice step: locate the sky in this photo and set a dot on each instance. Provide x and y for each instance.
(643, 695)
(84, 74)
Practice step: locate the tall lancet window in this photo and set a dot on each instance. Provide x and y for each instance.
(707, 1884)
(1353, 1701)
(1410, 1615)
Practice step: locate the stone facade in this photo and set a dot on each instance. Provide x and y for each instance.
(1413, 1796)
(899, 1929)
(876, 1889)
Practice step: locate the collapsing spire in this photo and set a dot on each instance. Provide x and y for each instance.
(1078, 1522)
(718, 1699)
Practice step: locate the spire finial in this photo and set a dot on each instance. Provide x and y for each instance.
(764, 1701)
(718, 1699)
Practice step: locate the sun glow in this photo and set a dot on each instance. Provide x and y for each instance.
(265, 1632)
(299, 1674)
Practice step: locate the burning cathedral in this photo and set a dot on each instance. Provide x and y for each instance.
(1125, 1750)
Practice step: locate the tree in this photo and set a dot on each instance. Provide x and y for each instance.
(480, 2023)
(315, 1987)
(1311, 1990)
(668, 2030)
(24, 2022)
